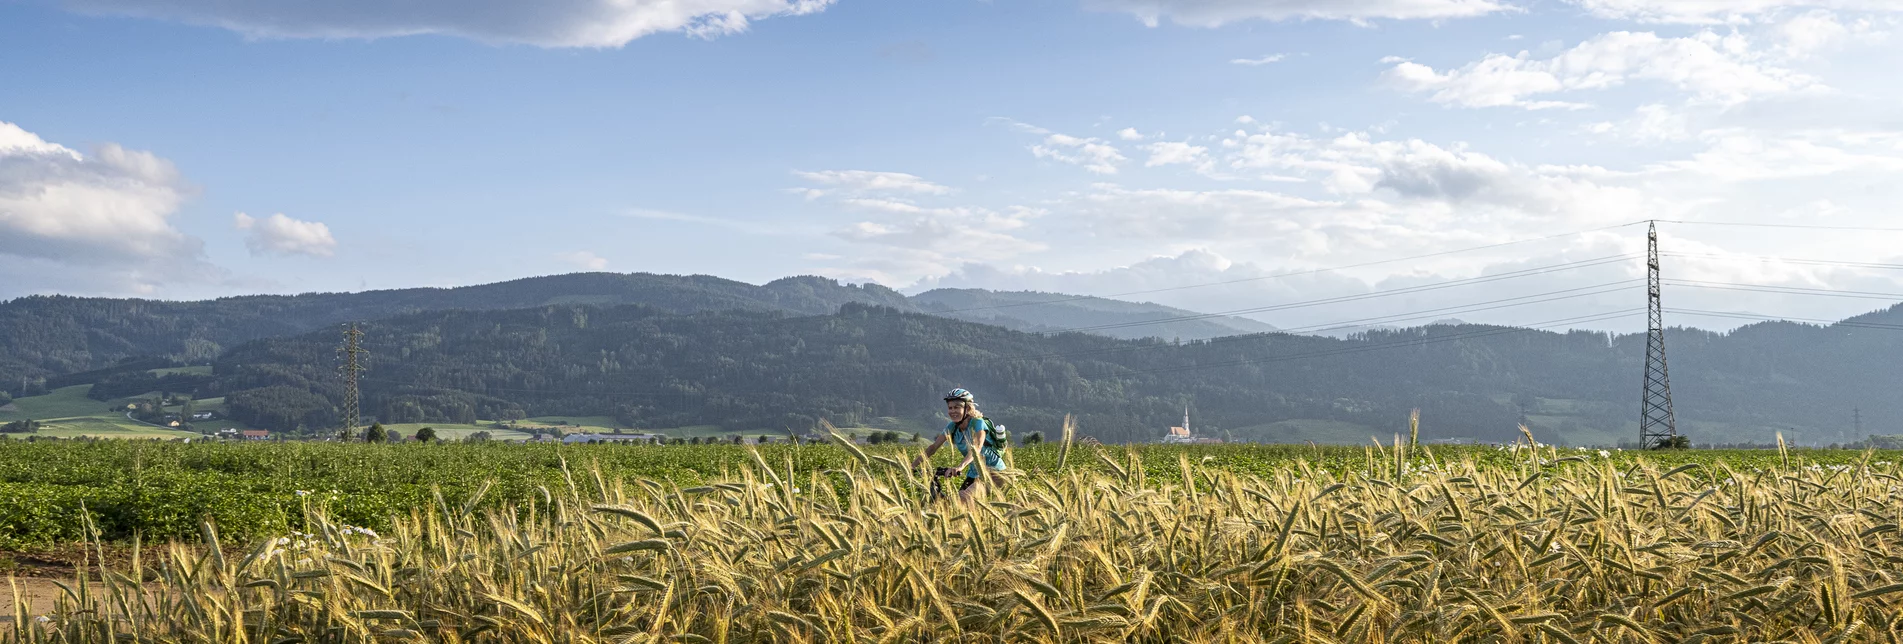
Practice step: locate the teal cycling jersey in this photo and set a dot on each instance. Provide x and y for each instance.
(959, 439)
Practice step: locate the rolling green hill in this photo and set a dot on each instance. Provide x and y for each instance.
(61, 338)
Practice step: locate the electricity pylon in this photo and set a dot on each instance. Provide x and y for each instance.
(1656, 423)
(353, 347)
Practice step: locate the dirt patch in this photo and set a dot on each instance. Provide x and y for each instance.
(9, 407)
(40, 596)
(64, 562)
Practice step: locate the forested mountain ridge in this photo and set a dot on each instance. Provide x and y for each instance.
(48, 336)
(51, 335)
(757, 370)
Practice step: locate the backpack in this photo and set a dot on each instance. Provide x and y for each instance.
(996, 436)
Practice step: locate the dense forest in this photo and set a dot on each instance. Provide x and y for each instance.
(46, 337)
(749, 369)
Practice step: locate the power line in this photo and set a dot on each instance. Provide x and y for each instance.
(1785, 290)
(1465, 308)
(1769, 225)
(1788, 260)
(1315, 271)
(1786, 318)
(1476, 306)
(1587, 263)
(1598, 317)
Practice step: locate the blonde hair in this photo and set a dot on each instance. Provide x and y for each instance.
(971, 409)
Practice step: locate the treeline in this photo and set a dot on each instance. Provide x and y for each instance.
(756, 370)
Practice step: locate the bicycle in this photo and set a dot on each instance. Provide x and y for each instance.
(938, 486)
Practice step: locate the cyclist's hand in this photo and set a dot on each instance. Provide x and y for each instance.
(945, 472)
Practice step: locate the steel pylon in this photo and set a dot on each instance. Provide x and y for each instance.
(1656, 422)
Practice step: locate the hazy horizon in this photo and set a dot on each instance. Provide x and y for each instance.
(182, 149)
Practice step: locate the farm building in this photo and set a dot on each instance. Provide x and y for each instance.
(612, 438)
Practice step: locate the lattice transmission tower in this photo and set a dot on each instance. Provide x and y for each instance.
(1656, 423)
(351, 366)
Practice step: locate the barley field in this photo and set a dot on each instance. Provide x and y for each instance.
(1524, 544)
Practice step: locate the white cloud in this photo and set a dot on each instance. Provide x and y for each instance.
(909, 235)
(865, 181)
(1214, 13)
(282, 236)
(1129, 134)
(1175, 152)
(109, 212)
(1718, 11)
(1746, 156)
(918, 242)
(1808, 34)
(552, 23)
(1714, 68)
(1095, 155)
(1256, 62)
(1650, 123)
(585, 260)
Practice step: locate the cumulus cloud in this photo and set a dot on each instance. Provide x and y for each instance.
(1129, 134)
(1178, 153)
(109, 211)
(585, 260)
(1095, 155)
(552, 23)
(283, 236)
(865, 181)
(907, 231)
(1720, 69)
(1215, 13)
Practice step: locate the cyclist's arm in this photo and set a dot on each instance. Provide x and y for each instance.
(937, 442)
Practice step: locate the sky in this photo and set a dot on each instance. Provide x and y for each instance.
(1488, 159)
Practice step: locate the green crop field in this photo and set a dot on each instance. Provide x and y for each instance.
(456, 432)
(810, 543)
(107, 427)
(198, 370)
(65, 402)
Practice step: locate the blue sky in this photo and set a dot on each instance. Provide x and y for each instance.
(190, 148)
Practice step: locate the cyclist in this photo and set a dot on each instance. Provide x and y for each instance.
(966, 431)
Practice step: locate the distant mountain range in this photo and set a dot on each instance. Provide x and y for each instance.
(45, 336)
(661, 351)
(1048, 312)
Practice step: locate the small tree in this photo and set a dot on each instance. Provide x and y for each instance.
(426, 434)
(477, 437)
(1674, 442)
(376, 433)
(1034, 438)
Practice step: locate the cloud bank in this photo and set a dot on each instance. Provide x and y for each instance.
(549, 23)
(107, 214)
